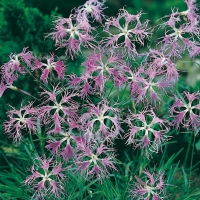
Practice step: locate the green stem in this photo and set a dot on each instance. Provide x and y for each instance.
(110, 91)
(187, 153)
(191, 161)
(36, 78)
(22, 91)
(123, 93)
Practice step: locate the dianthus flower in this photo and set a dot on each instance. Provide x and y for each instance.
(187, 112)
(84, 83)
(95, 160)
(148, 85)
(70, 33)
(190, 13)
(101, 67)
(146, 131)
(133, 31)
(150, 186)
(46, 179)
(9, 70)
(91, 9)
(101, 121)
(49, 66)
(182, 37)
(67, 142)
(163, 65)
(58, 106)
(23, 119)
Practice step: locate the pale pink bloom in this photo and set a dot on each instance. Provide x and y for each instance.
(83, 83)
(95, 160)
(146, 131)
(175, 42)
(66, 143)
(147, 85)
(58, 107)
(163, 65)
(105, 66)
(72, 34)
(187, 112)
(149, 186)
(9, 70)
(91, 9)
(101, 121)
(23, 119)
(46, 178)
(191, 12)
(50, 66)
(193, 47)
(182, 35)
(133, 31)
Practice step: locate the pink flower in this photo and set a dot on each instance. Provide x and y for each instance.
(163, 65)
(71, 34)
(48, 67)
(150, 186)
(133, 31)
(91, 9)
(187, 113)
(191, 12)
(83, 83)
(58, 107)
(182, 34)
(23, 119)
(146, 84)
(9, 70)
(72, 142)
(105, 66)
(46, 178)
(101, 121)
(146, 131)
(95, 160)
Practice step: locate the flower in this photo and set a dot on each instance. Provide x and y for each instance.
(23, 119)
(186, 112)
(73, 142)
(146, 131)
(190, 13)
(51, 65)
(83, 83)
(58, 107)
(133, 31)
(163, 65)
(150, 186)
(91, 8)
(101, 121)
(46, 178)
(103, 66)
(183, 34)
(146, 84)
(71, 33)
(9, 70)
(95, 160)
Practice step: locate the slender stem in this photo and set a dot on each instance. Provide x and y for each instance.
(36, 78)
(191, 161)
(110, 91)
(123, 92)
(187, 153)
(22, 91)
